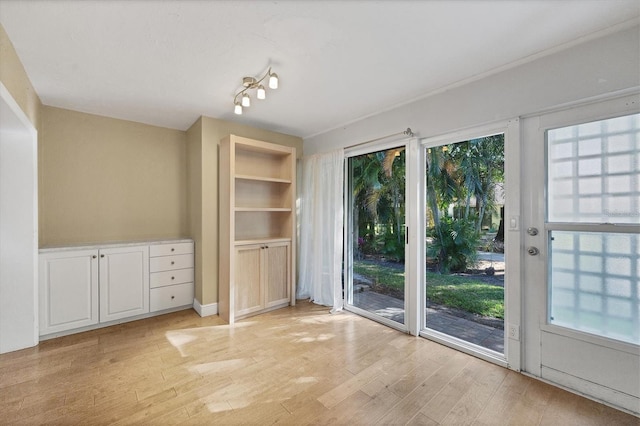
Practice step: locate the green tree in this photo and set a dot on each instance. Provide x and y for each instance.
(456, 173)
(378, 193)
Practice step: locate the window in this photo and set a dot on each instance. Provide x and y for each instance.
(593, 196)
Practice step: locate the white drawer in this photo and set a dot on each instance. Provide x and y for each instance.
(170, 249)
(170, 296)
(167, 263)
(178, 276)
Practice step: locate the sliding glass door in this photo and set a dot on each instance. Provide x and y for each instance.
(375, 261)
(465, 241)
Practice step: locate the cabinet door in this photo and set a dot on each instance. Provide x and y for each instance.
(277, 273)
(124, 282)
(68, 283)
(248, 288)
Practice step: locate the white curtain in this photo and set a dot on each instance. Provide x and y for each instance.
(321, 217)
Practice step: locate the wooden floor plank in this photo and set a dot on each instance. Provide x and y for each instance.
(299, 365)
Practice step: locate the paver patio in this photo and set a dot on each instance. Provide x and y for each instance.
(393, 309)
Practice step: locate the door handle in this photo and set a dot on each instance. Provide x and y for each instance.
(533, 251)
(532, 231)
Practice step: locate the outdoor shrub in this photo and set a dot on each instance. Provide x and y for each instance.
(391, 245)
(456, 242)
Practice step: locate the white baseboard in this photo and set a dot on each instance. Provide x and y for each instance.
(599, 393)
(205, 310)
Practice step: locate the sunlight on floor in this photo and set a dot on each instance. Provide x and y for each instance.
(221, 366)
(180, 338)
(306, 338)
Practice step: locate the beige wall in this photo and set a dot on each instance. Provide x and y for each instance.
(103, 179)
(194, 197)
(203, 139)
(15, 79)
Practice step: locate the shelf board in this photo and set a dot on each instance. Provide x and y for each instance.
(261, 241)
(263, 179)
(262, 209)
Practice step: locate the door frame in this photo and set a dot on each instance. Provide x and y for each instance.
(513, 236)
(535, 268)
(19, 314)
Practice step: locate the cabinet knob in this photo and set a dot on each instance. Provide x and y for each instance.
(172, 262)
(173, 297)
(94, 256)
(173, 278)
(102, 255)
(172, 249)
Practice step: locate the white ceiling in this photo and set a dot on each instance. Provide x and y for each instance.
(168, 62)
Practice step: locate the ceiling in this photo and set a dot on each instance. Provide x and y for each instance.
(168, 62)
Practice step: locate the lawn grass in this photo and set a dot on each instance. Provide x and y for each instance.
(464, 293)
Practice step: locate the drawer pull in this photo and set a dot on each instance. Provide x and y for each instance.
(173, 297)
(173, 278)
(172, 262)
(173, 249)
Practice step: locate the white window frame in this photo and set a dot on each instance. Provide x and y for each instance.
(513, 237)
(597, 111)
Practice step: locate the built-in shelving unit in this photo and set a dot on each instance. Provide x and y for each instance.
(257, 226)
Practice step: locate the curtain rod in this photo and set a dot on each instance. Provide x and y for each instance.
(407, 132)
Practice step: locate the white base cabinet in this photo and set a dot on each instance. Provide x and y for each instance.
(68, 293)
(83, 288)
(124, 282)
(172, 275)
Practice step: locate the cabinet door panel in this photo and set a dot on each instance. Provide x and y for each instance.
(68, 290)
(277, 274)
(124, 282)
(248, 289)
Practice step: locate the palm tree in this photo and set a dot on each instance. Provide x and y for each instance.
(378, 189)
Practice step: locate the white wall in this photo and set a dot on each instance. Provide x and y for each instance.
(18, 228)
(594, 68)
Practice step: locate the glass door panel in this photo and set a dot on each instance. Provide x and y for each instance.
(377, 234)
(593, 212)
(464, 242)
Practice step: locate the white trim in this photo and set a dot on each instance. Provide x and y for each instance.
(377, 318)
(487, 129)
(513, 255)
(630, 91)
(611, 228)
(593, 339)
(15, 108)
(383, 144)
(114, 322)
(415, 249)
(205, 310)
(600, 108)
(24, 133)
(575, 392)
(377, 145)
(594, 391)
(466, 347)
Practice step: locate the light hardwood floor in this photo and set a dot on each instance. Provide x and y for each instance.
(294, 366)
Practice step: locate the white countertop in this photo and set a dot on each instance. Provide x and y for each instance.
(111, 244)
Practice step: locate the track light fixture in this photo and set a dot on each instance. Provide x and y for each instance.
(242, 98)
